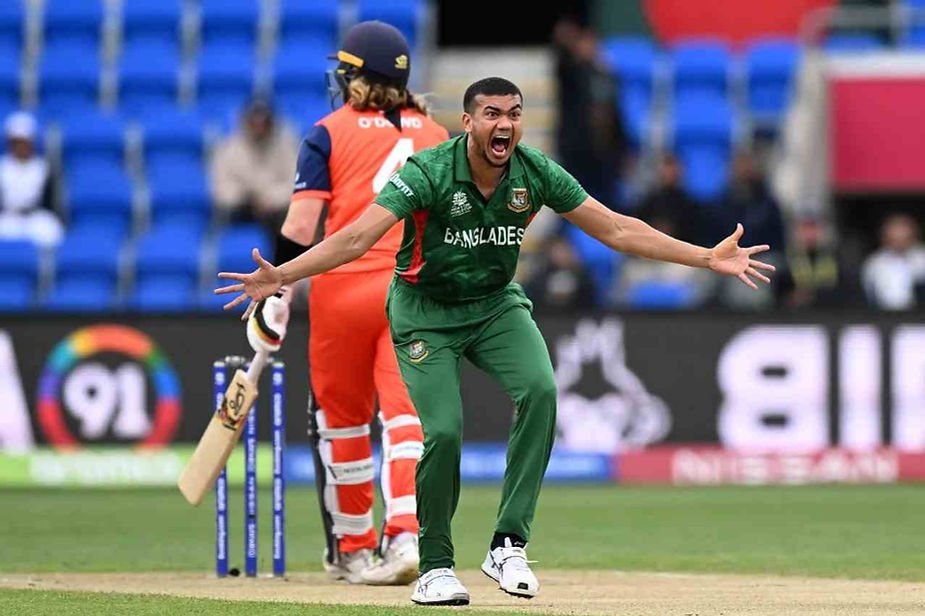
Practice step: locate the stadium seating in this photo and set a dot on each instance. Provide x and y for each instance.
(20, 268)
(12, 24)
(634, 60)
(229, 22)
(914, 35)
(81, 296)
(700, 67)
(69, 78)
(87, 271)
(99, 198)
(225, 78)
(770, 65)
(660, 295)
(179, 193)
(148, 76)
(852, 43)
(233, 247)
(147, 21)
(702, 138)
(602, 263)
(175, 134)
(406, 15)
(92, 136)
(314, 24)
(70, 22)
(167, 270)
(10, 69)
(299, 85)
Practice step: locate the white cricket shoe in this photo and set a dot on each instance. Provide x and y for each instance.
(349, 566)
(397, 566)
(508, 565)
(440, 587)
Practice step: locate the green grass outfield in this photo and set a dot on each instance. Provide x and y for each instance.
(871, 532)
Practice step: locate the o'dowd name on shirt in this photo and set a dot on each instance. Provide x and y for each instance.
(497, 236)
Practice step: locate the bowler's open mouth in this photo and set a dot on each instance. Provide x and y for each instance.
(500, 144)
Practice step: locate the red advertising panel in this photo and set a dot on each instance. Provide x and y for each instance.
(736, 22)
(711, 465)
(876, 133)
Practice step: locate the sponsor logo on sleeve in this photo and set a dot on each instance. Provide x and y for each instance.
(398, 183)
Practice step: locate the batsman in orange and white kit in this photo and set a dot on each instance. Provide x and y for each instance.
(345, 159)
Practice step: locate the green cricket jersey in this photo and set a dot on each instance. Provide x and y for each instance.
(458, 246)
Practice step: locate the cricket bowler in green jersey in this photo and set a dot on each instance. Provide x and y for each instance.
(465, 205)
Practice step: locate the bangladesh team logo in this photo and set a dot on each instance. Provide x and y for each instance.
(417, 351)
(519, 202)
(108, 383)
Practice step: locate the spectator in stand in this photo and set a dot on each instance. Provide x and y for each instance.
(748, 200)
(251, 170)
(668, 206)
(814, 270)
(590, 137)
(26, 186)
(893, 277)
(562, 283)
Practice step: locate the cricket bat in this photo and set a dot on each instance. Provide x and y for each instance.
(222, 433)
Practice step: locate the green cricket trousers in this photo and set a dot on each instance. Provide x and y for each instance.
(498, 335)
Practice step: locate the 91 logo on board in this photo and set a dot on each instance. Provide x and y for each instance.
(108, 383)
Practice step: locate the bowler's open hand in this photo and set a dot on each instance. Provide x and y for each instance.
(258, 285)
(730, 259)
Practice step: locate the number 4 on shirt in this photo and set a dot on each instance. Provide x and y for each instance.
(400, 152)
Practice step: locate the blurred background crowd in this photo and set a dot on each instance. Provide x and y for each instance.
(150, 143)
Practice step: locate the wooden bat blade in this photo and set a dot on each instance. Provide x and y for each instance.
(218, 440)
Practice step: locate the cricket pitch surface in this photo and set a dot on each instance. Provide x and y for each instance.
(562, 592)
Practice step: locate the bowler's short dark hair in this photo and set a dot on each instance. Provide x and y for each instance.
(490, 86)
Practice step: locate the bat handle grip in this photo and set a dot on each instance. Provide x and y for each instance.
(257, 365)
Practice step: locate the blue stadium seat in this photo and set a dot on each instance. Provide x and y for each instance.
(163, 296)
(167, 265)
(299, 79)
(12, 23)
(179, 193)
(147, 21)
(234, 244)
(770, 66)
(99, 197)
(303, 112)
(20, 268)
(88, 257)
(81, 296)
(406, 15)
(225, 79)
(10, 70)
(700, 67)
(315, 24)
(230, 22)
(174, 133)
(602, 263)
(73, 21)
(148, 76)
(634, 60)
(68, 78)
(702, 136)
(210, 302)
(852, 43)
(93, 136)
(660, 295)
(914, 34)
